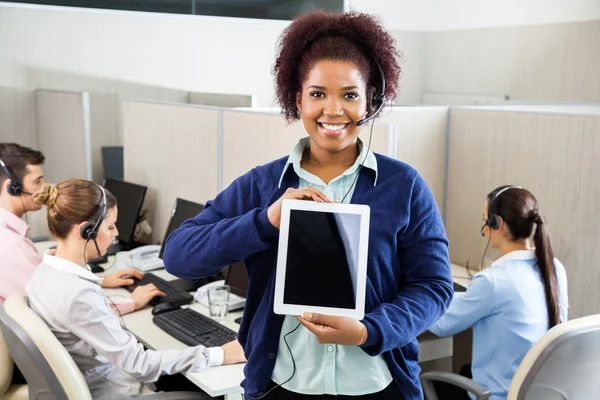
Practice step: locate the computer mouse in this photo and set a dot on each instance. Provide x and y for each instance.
(164, 307)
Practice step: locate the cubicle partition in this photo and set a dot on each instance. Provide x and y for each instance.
(421, 142)
(63, 122)
(194, 152)
(173, 149)
(222, 100)
(554, 155)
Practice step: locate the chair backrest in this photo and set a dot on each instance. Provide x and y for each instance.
(563, 365)
(48, 368)
(6, 364)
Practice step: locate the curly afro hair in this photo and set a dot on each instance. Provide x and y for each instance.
(317, 36)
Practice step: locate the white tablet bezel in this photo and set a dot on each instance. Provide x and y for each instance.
(292, 309)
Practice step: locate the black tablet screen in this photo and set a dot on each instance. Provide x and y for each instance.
(322, 259)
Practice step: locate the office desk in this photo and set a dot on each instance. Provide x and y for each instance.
(440, 353)
(216, 381)
(436, 353)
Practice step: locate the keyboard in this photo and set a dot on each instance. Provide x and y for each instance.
(193, 328)
(173, 295)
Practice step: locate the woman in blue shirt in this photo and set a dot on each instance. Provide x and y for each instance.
(512, 304)
(333, 72)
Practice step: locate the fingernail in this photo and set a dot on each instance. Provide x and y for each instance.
(307, 316)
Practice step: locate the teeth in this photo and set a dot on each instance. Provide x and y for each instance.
(334, 127)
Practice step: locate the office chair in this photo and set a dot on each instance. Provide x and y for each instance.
(48, 368)
(7, 390)
(563, 365)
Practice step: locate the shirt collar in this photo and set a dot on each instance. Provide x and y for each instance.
(70, 267)
(304, 143)
(515, 255)
(11, 221)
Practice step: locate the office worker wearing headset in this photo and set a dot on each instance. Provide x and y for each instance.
(68, 297)
(20, 176)
(512, 304)
(333, 72)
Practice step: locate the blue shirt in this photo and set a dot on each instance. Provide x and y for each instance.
(327, 368)
(409, 283)
(506, 306)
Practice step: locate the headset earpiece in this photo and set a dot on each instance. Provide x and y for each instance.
(493, 221)
(371, 100)
(15, 187)
(87, 231)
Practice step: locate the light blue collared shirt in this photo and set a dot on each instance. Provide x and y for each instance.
(321, 368)
(506, 305)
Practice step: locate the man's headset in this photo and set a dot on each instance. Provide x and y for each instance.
(89, 231)
(15, 188)
(493, 219)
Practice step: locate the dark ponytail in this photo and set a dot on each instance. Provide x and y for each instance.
(545, 259)
(518, 208)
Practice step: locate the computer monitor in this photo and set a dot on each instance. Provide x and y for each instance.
(130, 198)
(237, 279)
(182, 211)
(112, 161)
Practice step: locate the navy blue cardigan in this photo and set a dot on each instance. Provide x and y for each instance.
(409, 283)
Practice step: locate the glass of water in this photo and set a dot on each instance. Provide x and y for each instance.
(218, 301)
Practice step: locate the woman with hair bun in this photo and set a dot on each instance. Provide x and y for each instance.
(333, 72)
(68, 297)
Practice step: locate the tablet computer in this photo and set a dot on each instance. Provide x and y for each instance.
(322, 259)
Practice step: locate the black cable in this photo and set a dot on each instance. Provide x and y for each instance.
(293, 363)
(118, 312)
(85, 260)
(109, 299)
(363, 161)
(485, 251)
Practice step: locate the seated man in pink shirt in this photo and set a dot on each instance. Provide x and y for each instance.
(20, 176)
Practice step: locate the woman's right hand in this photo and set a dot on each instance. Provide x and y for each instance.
(233, 353)
(143, 294)
(305, 193)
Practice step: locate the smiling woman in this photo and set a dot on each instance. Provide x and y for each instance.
(332, 71)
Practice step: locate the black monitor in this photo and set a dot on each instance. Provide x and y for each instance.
(112, 161)
(237, 279)
(182, 211)
(130, 198)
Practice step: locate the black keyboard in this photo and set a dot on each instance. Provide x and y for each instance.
(193, 328)
(173, 295)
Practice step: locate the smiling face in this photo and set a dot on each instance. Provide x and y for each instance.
(332, 100)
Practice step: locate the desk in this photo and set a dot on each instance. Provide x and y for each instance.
(436, 353)
(216, 381)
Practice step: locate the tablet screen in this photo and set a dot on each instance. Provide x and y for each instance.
(322, 259)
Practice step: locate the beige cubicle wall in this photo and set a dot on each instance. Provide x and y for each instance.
(17, 124)
(173, 150)
(63, 134)
(555, 156)
(222, 100)
(251, 139)
(421, 142)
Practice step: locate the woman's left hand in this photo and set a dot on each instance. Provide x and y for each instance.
(120, 278)
(335, 330)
